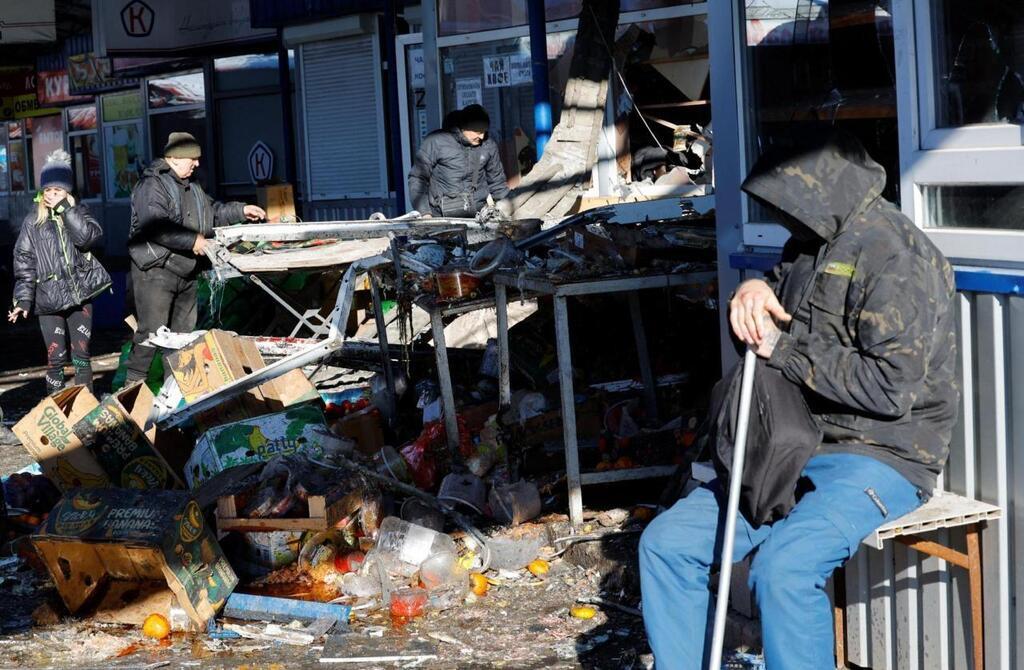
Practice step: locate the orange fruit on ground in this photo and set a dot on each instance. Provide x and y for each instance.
(156, 627)
(479, 583)
(539, 567)
(582, 612)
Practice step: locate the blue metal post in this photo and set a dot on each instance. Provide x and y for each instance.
(539, 63)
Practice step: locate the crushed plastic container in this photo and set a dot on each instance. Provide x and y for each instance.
(440, 570)
(509, 554)
(401, 541)
(515, 503)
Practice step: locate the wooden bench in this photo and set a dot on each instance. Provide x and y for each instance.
(943, 510)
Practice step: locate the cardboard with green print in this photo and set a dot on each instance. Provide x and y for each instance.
(47, 434)
(108, 550)
(132, 457)
(298, 428)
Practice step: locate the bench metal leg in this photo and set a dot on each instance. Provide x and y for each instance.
(971, 561)
(977, 613)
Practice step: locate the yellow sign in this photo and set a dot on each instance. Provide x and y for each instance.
(23, 106)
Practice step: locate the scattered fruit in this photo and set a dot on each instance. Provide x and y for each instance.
(623, 463)
(582, 612)
(479, 583)
(156, 627)
(539, 567)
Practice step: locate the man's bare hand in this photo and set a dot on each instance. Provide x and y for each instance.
(753, 301)
(199, 246)
(13, 315)
(770, 338)
(254, 213)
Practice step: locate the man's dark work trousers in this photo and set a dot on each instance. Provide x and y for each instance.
(162, 298)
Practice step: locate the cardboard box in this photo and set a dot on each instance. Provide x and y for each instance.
(118, 552)
(298, 428)
(132, 457)
(274, 549)
(220, 357)
(47, 434)
(364, 428)
(278, 200)
(548, 426)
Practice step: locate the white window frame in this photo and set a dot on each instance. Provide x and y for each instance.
(982, 154)
(70, 134)
(757, 234)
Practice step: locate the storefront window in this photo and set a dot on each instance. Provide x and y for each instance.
(176, 91)
(812, 66)
(456, 17)
(81, 118)
(124, 160)
(469, 78)
(16, 159)
(978, 62)
(999, 207)
(123, 156)
(666, 99)
(85, 161)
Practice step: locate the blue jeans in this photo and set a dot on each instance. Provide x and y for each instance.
(852, 496)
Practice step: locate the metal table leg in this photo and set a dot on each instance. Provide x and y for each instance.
(444, 379)
(504, 384)
(385, 351)
(572, 457)
(642, 355)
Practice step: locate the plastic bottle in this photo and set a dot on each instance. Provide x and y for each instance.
(408, 543)
(440, 570)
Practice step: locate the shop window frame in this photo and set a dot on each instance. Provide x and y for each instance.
(142, 128)
(404, 42)
(982, 154)
(69, 135)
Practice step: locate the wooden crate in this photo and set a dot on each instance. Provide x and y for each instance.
(325, 511)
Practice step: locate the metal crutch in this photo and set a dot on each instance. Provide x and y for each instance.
(735, 480)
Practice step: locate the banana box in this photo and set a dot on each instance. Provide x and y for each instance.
(47, 434)
(133, 456)
(220, 357)
(114, 553)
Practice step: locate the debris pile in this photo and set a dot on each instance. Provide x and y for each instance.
(281, 491)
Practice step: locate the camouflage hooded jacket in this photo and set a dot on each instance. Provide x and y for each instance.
(875, 342)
